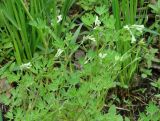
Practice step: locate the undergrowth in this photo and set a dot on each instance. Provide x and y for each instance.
(86, 60)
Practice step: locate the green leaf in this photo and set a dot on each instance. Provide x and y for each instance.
(152, 108)
(157, 95)
(101, 10)
(9, 115)
(88, 19)
(74, 78)
(109, 22)
(112, 110)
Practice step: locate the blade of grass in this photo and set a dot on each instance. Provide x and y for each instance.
(75, 36)
(116, 13)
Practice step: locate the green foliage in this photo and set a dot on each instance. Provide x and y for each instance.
(125, 16)
(44, 94)
(152, 113)
(6, 47)
(131, 53)
(128, 10)
(90, 4)
(66, 64)
(156, 7)
(156, 84)
(111, 116)
(88, 19)
(126, 42)
(149, 57)
(28, 28)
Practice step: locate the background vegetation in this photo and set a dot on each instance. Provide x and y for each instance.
(79, 60)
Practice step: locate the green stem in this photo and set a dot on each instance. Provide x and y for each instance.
(1, 119)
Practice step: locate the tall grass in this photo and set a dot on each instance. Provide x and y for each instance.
(27, 25)
(125, 13)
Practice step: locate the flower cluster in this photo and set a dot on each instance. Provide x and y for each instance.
(97, 21)
(26, 66)
(59, 18)
(136, 27)
(89, 37)
(59, 52)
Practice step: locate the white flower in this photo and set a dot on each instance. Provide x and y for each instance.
(138, 27)
(89, 38)
(101, 55)
(59, 18)
(126, 27)
(59, 52)
(97, 21)
(26, 66)
(133, 40)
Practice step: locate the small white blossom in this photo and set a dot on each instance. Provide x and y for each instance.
(26, 66)
(59, 52)
(138, 27)
(101, 55)
(89, 38)
(126, 27)
(59, 18)
(133, 40)
(97, 21)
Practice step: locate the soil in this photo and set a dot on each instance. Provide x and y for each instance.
(130, 102)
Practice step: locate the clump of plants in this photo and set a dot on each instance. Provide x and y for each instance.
(31, 26)
(57, 65)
